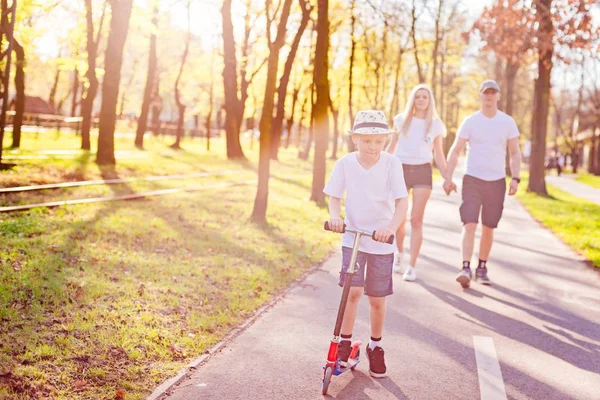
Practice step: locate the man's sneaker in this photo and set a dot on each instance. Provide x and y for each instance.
(344, 349)
(464, 277)
(481, 276)
(410, 275)
(376, 362)
(398, 263)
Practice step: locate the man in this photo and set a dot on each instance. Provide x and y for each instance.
(488, 132)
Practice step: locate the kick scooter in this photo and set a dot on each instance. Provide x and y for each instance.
(333, 365)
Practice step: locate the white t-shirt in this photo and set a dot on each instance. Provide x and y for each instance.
(486, 149)
(370, 196)
(416, 148)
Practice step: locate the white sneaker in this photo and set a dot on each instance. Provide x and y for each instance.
(410, 275)
(398, 263)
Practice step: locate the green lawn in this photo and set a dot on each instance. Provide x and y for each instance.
(573, 219)
(589, 179)
(116, 296)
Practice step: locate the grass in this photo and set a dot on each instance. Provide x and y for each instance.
(101, 298)
(589, 179)
(576, 221)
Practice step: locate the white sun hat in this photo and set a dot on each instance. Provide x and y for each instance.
(370, 122)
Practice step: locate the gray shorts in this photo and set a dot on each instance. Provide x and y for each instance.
(418, 176)
(378, 282)
(482, 196)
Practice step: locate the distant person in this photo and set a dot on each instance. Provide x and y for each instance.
(560, 164)
(487, 132)
(420, 132)
(376, 200)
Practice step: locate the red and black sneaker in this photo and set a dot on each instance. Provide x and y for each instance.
(377, 367)
(344, 350)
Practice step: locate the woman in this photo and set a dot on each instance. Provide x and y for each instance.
(418, 140)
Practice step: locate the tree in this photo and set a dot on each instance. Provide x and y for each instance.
(285, 78)
(20, 94)
(507, 29)
(259, 212)
(413, 34)
(321, 116)
(87, 101)
(351, 62)
(563, 25)
(7, 26)
(119, 25)
(151, 80)
(180, 105)
(233, 105)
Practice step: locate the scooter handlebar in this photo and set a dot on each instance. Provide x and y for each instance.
(389, 241)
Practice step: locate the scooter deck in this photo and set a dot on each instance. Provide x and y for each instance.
(349, 365)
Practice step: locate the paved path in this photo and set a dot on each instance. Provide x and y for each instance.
(534, 334)
(570, 185)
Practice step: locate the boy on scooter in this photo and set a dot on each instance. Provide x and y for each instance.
(376, 200)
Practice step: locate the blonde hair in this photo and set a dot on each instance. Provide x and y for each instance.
(409, 110)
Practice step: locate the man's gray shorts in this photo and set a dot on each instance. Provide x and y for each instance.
(378, 282)
(482, 196)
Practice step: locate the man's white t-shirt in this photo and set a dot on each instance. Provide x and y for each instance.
(370, 196)
(486, 149)
(415, 148)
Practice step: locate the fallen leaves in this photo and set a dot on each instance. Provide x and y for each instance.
(79, 385)
(178, 351)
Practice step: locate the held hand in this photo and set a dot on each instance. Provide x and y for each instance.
(382, 235)
(514, 185)
(336, 225)
(449, 186)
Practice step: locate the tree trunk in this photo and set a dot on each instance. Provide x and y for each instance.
(285, 78)
(52, 96)
(290, 120)
(395, 99)
(150, 82)
(180, 105)
(119, 25)
(511, 74)
(75, 93)
(352, 55)
(232, 102)
(259, 213)
(308, 144)
(20, 94)
(597, 163)
(301, 127)
(87, 102)
(436, 47)
(537, 182)
(413, 33)
(321, 116)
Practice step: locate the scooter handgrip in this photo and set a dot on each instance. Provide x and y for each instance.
(326, 227)
(389, 241)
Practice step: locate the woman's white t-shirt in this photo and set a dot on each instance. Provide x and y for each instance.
(415, 148)
(370, 196)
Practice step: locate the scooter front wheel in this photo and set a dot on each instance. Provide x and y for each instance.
(327, 379)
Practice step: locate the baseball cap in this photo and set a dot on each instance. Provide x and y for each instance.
(488, 84)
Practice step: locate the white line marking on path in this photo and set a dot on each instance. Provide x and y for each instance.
(491, 384)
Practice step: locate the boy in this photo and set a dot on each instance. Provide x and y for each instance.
(376, 200)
